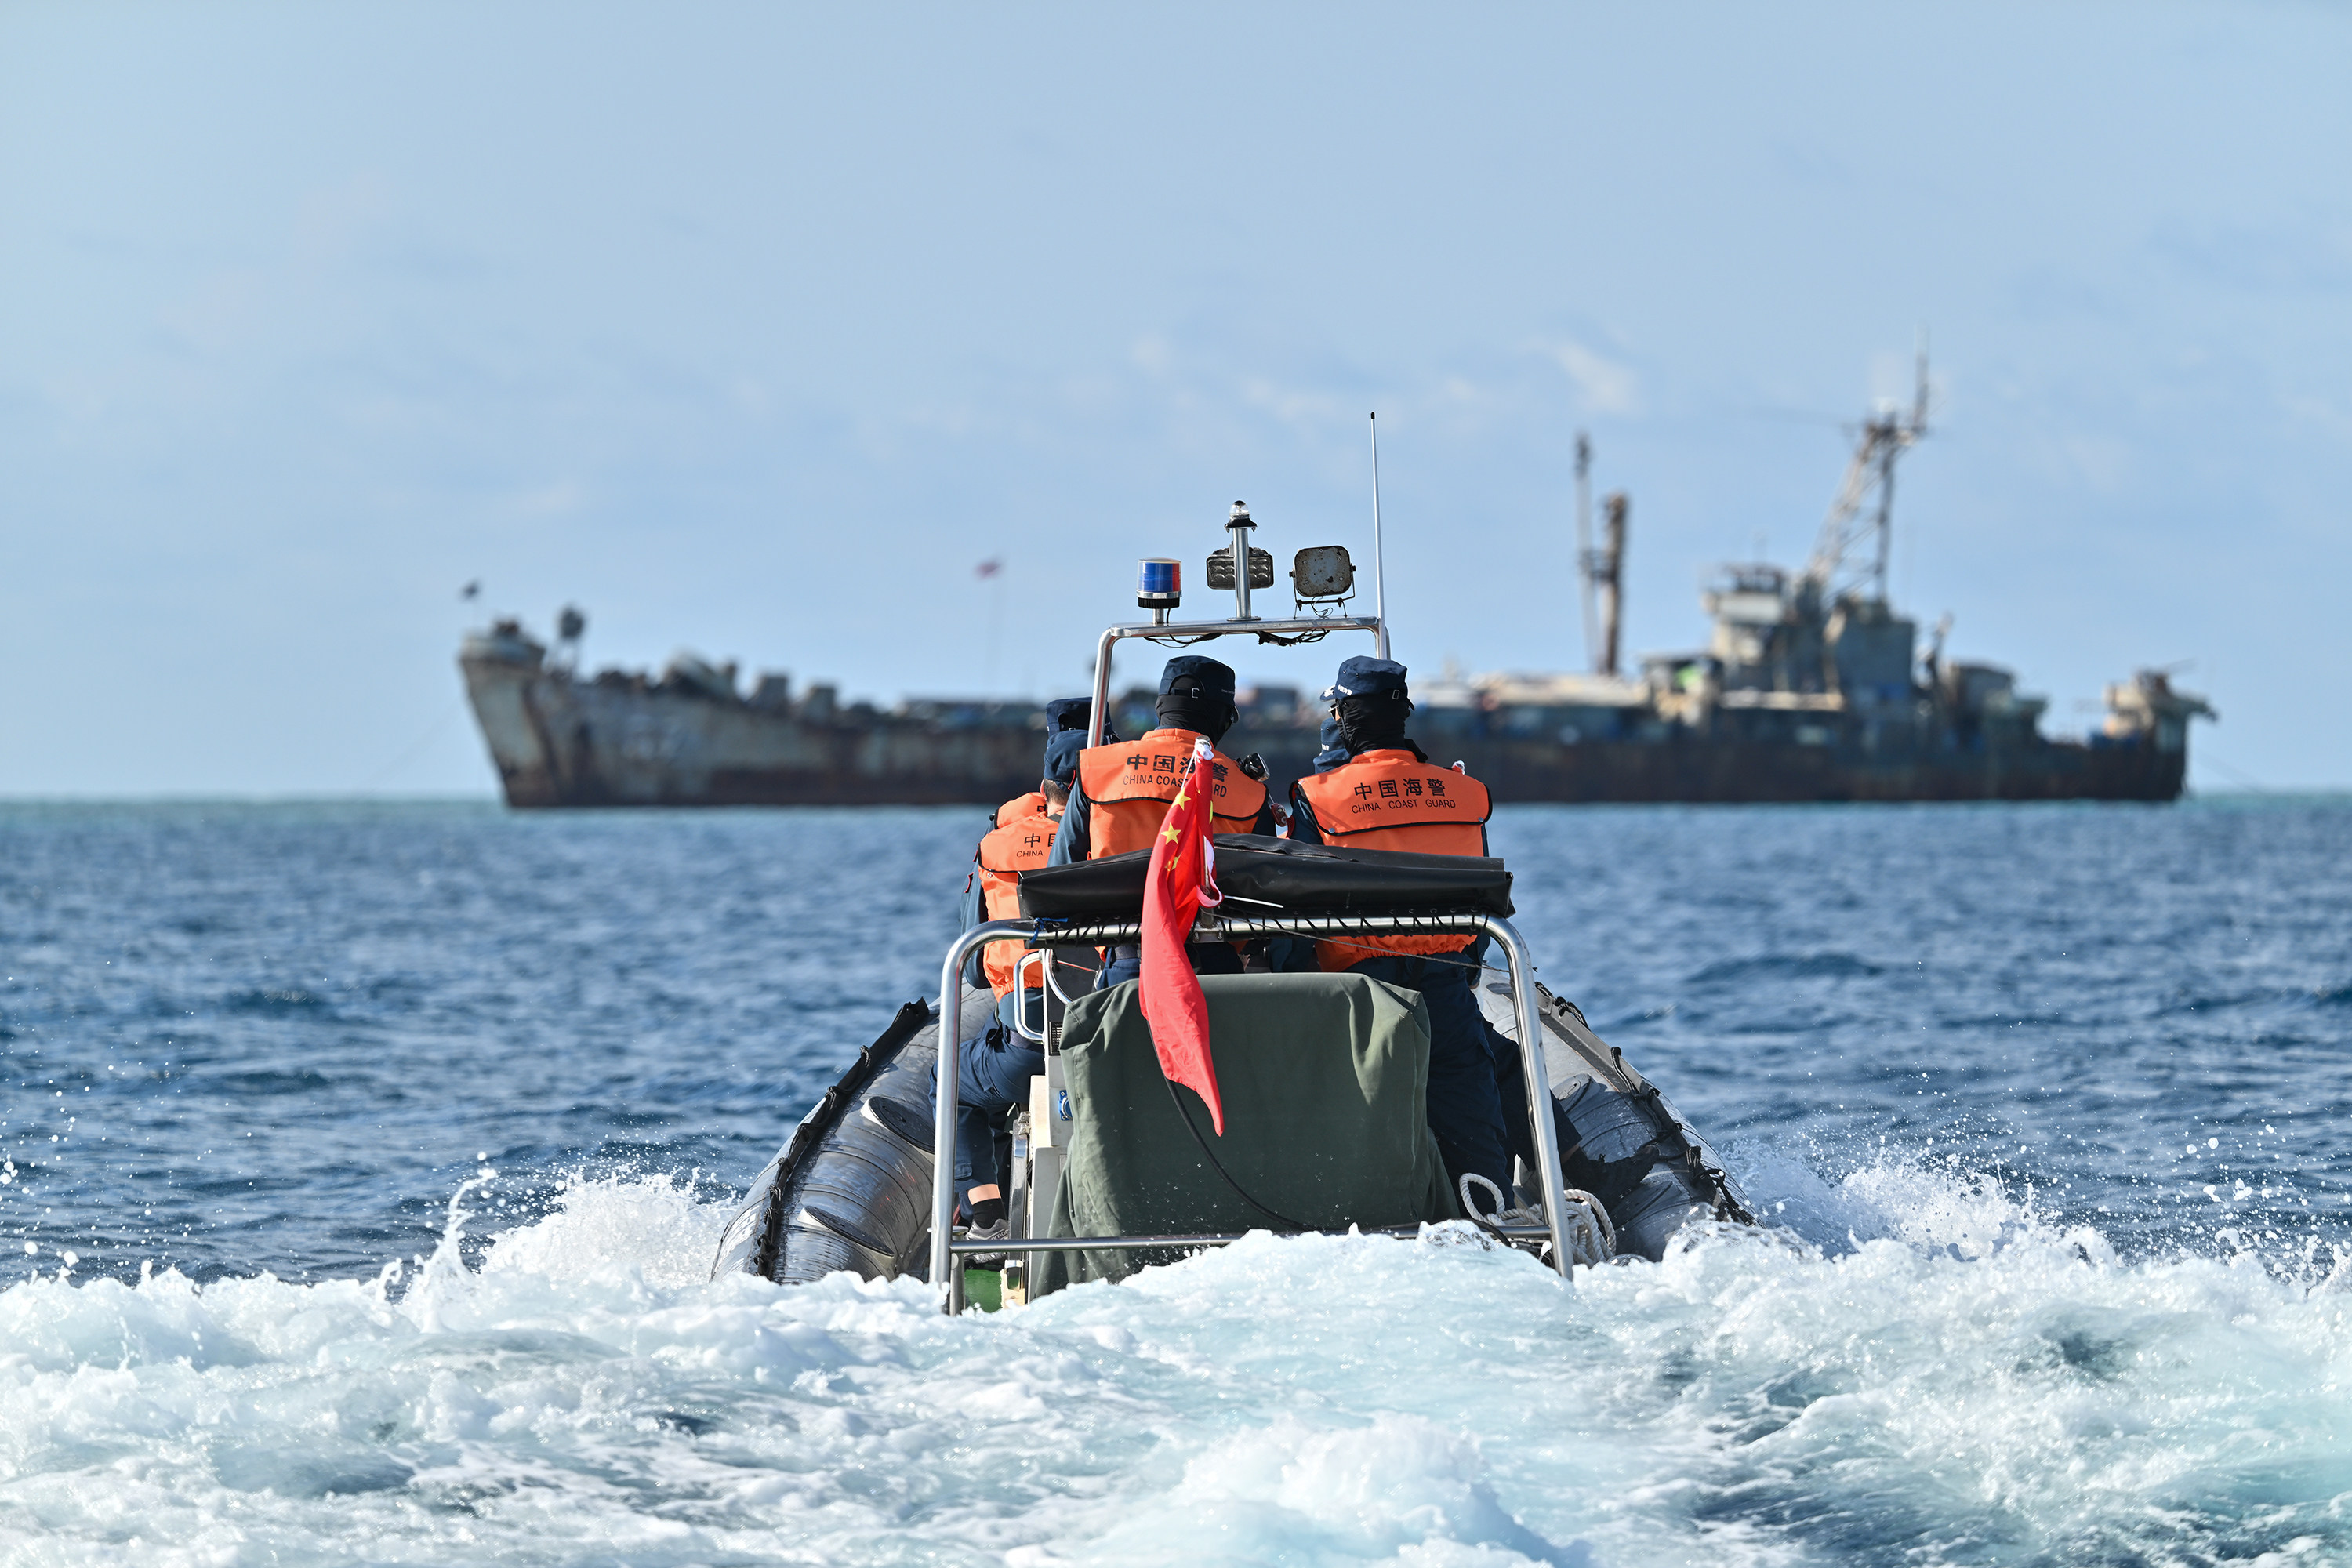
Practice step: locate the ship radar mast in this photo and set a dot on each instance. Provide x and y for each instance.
(1850, 560)
(1584, 532)
(571, 623)
(1602, 571)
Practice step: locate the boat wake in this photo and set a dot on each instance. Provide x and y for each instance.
(1920, 1367)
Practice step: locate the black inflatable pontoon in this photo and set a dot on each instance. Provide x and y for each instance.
(855, 1186)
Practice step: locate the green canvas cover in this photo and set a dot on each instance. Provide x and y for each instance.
(1323, 1079)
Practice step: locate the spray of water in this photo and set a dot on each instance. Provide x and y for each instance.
(1914, 1366)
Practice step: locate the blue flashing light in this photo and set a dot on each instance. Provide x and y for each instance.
(1159, 583)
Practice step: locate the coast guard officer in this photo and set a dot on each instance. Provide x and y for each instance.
(1124, 790)
(1387, 795)
(1329, 753)
(1289, 954)
(994, 1068)
(1063, 715)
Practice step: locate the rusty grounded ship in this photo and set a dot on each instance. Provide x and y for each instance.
(1813, 688)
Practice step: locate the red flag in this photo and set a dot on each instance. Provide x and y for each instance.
(1182, 878)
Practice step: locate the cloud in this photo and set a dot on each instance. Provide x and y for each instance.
(1602, 385)
(1291, 404)
(560, 498)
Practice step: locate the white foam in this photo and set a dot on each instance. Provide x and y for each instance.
(1954, 1374)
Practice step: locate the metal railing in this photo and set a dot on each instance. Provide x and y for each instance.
(947, 1275)
(1202, 631)
(1178, 1243)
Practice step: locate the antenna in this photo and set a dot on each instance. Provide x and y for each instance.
(1919, 400)
(1584, 532)
(1379, 589)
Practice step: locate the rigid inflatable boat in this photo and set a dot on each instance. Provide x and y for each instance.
(1322, 1075)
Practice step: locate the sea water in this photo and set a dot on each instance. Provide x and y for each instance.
(360, 1169)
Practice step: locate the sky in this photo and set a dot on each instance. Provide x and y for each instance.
(755, 329)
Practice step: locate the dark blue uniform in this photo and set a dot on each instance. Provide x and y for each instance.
(994, 1065)
(1477, 1104)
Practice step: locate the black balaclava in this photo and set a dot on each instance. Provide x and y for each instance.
(1202, 714)
(1196, 694)
(1374, 723)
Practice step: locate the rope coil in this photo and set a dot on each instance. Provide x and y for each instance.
(1591, 1238)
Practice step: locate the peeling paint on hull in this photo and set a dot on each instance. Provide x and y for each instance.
(559, 742)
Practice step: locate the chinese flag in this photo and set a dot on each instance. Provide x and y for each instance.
(1181, 880)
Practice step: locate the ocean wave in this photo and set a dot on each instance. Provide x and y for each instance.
(277, 1001)
(1916, 1366)
(1786, 966)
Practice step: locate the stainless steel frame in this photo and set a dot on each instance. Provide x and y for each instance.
(1139, 1243)
(1288, 627)
(946, 1277)
(1044, 959)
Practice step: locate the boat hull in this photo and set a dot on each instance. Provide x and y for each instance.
(851, 1189)
(1729, 773)
(560, 742)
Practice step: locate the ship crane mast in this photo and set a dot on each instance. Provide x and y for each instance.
(1852, 549)
(1602, 571)
(1584, 532)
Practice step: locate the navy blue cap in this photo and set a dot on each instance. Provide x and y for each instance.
(1333, 754)
(1362, 677)
(1062, 749)
(1072, 715)
(1215, 679)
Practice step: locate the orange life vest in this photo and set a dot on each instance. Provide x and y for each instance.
(1021, 845)
(1019, 806)
(1129, 785)
(1389, 799)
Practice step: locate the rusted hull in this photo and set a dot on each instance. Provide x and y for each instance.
(561, 742)
(1702, 772)
(557, 742)
(1691, 769)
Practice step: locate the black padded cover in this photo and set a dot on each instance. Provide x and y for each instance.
(1255, 871)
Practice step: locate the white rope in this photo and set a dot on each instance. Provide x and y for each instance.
(1591, 1239)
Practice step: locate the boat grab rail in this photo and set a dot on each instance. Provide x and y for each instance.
(1139, 1243)
(1289, 629)
(1055, 984)
(1026, 1246)
(947, 1278)
(1046, 964)
(1057, 932)
(1045, 960)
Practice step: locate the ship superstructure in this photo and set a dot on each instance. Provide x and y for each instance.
(691, 736)
(1811, 688)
